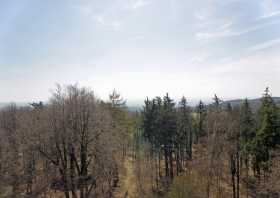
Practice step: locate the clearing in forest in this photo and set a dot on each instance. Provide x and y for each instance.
(127, 188)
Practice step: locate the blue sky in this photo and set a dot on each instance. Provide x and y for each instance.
(140, 47)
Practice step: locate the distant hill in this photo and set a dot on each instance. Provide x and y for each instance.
(254, 103)
(19, 104)
(133, 108)
(4, 104)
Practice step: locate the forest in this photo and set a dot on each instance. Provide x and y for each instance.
(76, 145)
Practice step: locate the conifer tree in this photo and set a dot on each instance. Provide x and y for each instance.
(247, 134)
(184, 134)
(185, 126)
(201, 117)
(170, 129)
(267, 135)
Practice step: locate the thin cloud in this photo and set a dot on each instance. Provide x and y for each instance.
(230, 32)
(99, 19)
(136, 38)
(271, 14)
(140, 3)
(136, 4)
(112, 24)
(265, 45)
(200, 16)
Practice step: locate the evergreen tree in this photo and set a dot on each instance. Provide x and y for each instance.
(268, 134)
(185, 135)
(201, 117)
(160, 127)
(247, 135)
(170, 129)
(148, 118)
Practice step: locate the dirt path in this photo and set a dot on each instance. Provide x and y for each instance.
(127, 188)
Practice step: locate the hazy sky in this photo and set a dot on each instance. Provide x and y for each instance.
(140, 47)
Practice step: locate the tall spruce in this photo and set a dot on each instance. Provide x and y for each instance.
(169, 132)
(184, 137)
(268, 134)
(201, 117)
(185, 126)
(247, 134)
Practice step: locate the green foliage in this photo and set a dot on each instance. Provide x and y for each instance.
(168, 121)
(247, 127)
(200, 118)
(184, 136)
(159, 121)
(151, 121)
(268, 134)
(168, 128)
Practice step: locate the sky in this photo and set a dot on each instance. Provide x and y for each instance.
(140, 47)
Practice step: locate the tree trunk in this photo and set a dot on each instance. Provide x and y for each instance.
(166, 162)
(171, 163)
(233, 172)
(247, 175)
(238, 174)
(190, 144)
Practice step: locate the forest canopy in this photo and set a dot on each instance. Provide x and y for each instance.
(78, 146)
